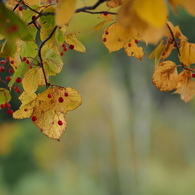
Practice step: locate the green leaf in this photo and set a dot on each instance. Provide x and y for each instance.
(4, 96)
(28, 49)
(22, 68)
(54, 60)
(59, 36)
(48, 20)
(28, 14)
(12, 26)
(8, 49)
(31, 35)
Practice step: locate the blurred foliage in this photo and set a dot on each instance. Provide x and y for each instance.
(128, 137)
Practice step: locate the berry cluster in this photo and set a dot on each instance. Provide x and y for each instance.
(64, 48)
(6, 67)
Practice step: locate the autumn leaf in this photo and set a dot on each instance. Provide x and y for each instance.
(186, 86)
(27, 106)
(31, 80)
(152, 12)
(187, 53)
(116, 37)
(51, 123)
(133, 50)
(71, 39)
(147, 17)
(64, 11)
(165, 76)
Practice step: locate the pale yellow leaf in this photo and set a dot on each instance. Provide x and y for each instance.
(187, 53)
(186, 86)
(64, 11)
(31, 80)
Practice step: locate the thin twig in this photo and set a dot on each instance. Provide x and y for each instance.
(89, 7)
(40, 55)
(101, 12)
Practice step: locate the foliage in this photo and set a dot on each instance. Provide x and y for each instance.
(34, 38)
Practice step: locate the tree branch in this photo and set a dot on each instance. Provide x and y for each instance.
(83, 9)
(40, 55)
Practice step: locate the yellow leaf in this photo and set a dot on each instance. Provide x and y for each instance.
(165, 76)
(41, 81)
(175, 30)
(186, 86)
(64, 11)
(115, 37)
(152, 12)
(187, 53)
(157, 52)
(133, 50)
(32, 2)
(150, 30)
(71, 99)
(49, 123)
(26, 108)
(72, 40)
(31, 80)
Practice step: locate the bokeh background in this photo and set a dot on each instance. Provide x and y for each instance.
(127, 138)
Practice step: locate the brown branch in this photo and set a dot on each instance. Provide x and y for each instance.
(40, 55)
(83, 9)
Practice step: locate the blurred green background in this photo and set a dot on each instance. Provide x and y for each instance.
(127, 138)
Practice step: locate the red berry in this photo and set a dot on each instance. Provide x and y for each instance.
(33, 17)
(66, 94)
(2, 62)
(193, 75)
(71, 46)
(60, 99)
(61, 53)
(105, 13)
(49, 95)
(34, 118)
(27, 61)
(26, 109)
(2, 68)
(7, 105)
(18, 80)
(63, 45)
(10, 111)
(8, 78)
(24, 59)
(30, 67)
(129, 44)
(11, 62)
(11, 71)
(65, 48)
(106, 32)
(136, 41)
(104, 39)
(60, 122)
(2, 105)
(20, 8)
(17, 89)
